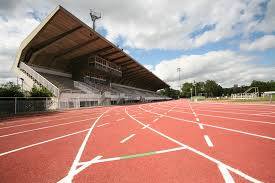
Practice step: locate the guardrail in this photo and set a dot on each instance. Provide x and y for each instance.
(40, 79)
(16, 105)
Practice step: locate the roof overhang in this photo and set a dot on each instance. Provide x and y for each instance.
(61, 38)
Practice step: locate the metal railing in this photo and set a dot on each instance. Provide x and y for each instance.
(40, 79)
(16, 105)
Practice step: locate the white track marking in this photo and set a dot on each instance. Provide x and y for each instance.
(170, 150)
(240, 119)
(120, 119)
(197, 119)
(226, 112)
(26, 124)
(103, 124)
(68, 178)
(218, 127)
(240, 173)
(46, 127)
(42, 142)
(208, 141)
(201, 126)
(127, 138)
(226, 175)
(81, 149)
(99, 160)
(145, 126)
(155, 119)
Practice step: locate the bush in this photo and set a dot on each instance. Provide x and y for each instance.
(11, 90)
(40, 92)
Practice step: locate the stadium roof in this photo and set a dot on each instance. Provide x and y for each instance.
(61, 38)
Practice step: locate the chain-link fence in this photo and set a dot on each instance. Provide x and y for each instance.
(15, 105)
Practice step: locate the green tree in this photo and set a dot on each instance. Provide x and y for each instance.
(186, 89)
(169, 92)
(212, 88)
(40, 92)
(11, 90)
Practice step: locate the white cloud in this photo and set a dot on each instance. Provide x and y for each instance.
(263, 43)
(165, 25)
(267, 24)
(225, 67)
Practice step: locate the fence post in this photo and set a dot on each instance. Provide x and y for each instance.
(15, 104)
(46, 103)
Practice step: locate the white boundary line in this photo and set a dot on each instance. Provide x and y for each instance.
(42, 142)
(26, 124)
(127, 138)
(145, 126)
(103, 124)
(201, 126)
(81, 149)
(240, 119)
(218, 127)
(208, 141)
(225, 112)
(46, 127)
(226, 175)
(120, 119)
(238, 172)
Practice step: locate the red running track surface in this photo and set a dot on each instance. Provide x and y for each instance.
(174, 141)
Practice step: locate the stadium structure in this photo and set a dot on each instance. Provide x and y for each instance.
(80, 67)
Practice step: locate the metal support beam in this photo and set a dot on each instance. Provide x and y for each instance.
(128, 70)
(48, 42)
(112, 53)
(72, 49)
(135, 73)
(118, 58)
(126, 62)
(101, 50)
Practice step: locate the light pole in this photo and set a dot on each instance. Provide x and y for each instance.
(191, 89)
(195, 88)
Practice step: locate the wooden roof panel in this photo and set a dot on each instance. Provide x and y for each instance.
(63, 22)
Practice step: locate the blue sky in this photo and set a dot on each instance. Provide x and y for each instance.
(231, 42)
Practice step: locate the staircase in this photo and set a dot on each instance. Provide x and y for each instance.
(38, 79)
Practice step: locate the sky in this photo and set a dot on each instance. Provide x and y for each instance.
(231, 42)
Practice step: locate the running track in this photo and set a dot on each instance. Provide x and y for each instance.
(175, 141)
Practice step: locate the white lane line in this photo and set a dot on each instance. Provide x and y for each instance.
(226, 175)
(213, 126)
(240, 173)
(99, 160)
(42, 142)
(208, 141)
(197, 119)
(170, 150)
(84, 165)
(26, 124)
(155, 119)
(81, 149)
(240, 119)
(103, 124)
(145, 126)
(120, 119)
(127, 138)
(226, 112)
(201, 126)
(46, 127)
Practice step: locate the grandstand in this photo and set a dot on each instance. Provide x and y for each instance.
(80, 67)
